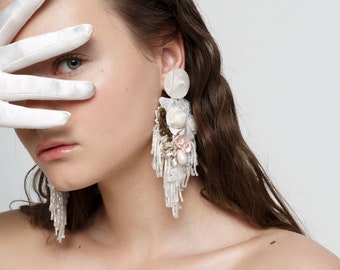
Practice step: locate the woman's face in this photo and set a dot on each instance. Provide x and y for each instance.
(109, 134)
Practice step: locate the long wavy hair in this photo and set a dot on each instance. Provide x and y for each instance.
(230, 174)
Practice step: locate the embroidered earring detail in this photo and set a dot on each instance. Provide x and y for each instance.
(58, 208)
(173, 142)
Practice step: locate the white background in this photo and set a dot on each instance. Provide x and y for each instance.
(282, 60)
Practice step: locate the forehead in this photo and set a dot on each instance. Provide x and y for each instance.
(57, 14)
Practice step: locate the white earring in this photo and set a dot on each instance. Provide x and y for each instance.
(58, 209)
(173, 143)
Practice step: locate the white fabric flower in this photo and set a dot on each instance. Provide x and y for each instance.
(176, 120)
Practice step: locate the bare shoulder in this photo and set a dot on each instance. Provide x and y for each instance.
(279, 249)
(14, 228)
(17, 238)
(12, 225)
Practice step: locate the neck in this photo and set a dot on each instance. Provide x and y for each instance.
(134, 204)
(134, 215)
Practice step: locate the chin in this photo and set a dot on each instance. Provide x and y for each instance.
(69, 182)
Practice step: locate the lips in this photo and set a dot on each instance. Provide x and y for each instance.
(53, 150)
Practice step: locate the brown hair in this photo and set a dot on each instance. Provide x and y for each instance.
(231, 176)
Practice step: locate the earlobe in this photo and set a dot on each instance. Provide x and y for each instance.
(173, 54)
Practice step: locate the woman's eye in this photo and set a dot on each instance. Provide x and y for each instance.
(67, 64)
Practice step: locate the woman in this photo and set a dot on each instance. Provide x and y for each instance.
(97, 168)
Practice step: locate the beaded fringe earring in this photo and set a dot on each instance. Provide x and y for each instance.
(58, 209)
(173, 142)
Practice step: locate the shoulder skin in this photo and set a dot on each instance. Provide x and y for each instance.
(20, 243)
(279, 249)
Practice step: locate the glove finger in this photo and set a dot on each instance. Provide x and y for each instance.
(14, 16)
(27, 87)
(29, 51)
(13, 116)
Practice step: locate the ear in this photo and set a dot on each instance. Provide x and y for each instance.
(173, 54)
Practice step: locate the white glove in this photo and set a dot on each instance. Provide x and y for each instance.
(24, 53)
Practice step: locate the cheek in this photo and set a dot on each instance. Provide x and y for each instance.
(117, 124)
(119, 113)
(127, 98)
(26, 138)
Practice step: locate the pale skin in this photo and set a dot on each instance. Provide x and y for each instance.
(112, 137)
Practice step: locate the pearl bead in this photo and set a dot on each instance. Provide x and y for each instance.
(182, 157)
(174, 162)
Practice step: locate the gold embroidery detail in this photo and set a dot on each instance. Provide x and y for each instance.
(163, 126)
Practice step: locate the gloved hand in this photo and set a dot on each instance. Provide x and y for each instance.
(26, 52)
